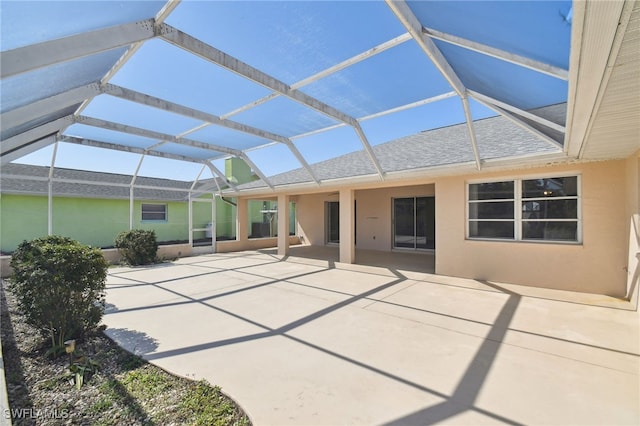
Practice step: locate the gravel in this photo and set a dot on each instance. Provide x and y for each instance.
(42, 391)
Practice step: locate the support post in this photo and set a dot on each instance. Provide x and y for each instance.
(214, 221)
(347, 226)
(50, 191)
(190, 212)
(242, 218)
(283, 225)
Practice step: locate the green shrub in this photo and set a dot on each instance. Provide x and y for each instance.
(138, 246)
(60, 286)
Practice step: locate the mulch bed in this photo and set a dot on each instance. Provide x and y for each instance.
(41, 390)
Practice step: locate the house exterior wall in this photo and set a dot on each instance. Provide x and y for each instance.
(95, 221)
(374, 216)
(595, 266)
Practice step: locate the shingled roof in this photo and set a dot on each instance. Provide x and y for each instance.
(33, 180)
(497, 137)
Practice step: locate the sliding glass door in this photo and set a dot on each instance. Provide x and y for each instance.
(414, 224)
(332, 226)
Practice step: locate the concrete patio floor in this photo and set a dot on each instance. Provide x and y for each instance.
(306, 340)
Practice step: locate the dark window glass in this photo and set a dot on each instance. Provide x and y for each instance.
(491, 190)
(549, 230)
(550, 209)
(154, 212)
(550, 187)
(491, 210)
(498, 229)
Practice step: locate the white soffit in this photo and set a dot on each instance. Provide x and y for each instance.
(604, 90)
(615, 130)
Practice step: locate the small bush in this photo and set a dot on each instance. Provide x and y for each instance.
(138, 246)
(60, 286)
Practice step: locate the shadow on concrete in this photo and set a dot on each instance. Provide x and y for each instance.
(136, 342)
(414, 261)
(468, 389)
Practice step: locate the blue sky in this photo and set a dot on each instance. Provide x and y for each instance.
(290, 41)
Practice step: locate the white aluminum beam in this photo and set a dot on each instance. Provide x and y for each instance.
(157, 135)
(255, 168)
(406, 16)
(37, 133)
(28, 58)
(414, 27)
(42, 107)
(518, 122)
(218, 57)
(123, 148)
(217, 171)
(513, 58)
(123, 128)
(152, 101)
(472, 132)
(141, 98)
(26, 149)
(369, 150)
(294, 150)
(232, 64)
(489, 100)
(380, 114)
(50, 191)
(322, 74)
(408, 106)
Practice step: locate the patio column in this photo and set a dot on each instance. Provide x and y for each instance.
(242, 217)
(283, 224)
(347, 225)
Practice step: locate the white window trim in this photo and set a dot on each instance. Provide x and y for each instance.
(517, 200)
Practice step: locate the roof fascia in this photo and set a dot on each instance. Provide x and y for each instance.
(397, 178)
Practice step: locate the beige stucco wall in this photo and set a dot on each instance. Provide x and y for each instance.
(598, 265)
(595, 266)
(633, 211)
(373, 214)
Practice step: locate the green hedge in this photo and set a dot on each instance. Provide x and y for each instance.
(60, 286)
(138, 246)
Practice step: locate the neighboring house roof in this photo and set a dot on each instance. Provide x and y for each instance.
(33, 180)
(497, 137)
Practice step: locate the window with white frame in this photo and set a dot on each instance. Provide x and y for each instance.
(154, 212)
(541, 209)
